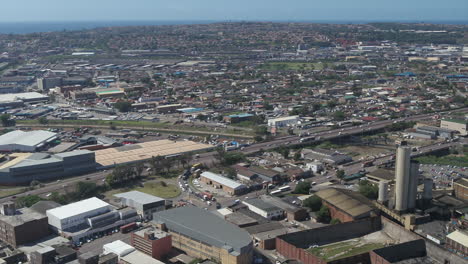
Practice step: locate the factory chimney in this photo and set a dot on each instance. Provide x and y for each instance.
(402, 177)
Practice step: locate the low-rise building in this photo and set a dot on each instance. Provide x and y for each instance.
(283, 121)
(229, 186)
(457, 241)
(264, 209)
(21, 226)
(346, 205)
(153, 242)
(460, 188)
(145, 204)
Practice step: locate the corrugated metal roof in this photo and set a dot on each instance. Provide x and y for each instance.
(203, 226)
(30, 138)
(344, 202)
(77, 208)
(139, 197)
(459, 237)
(222, 180)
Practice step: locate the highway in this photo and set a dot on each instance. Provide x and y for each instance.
(209, 157)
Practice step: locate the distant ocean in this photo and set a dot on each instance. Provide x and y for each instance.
(32, 27)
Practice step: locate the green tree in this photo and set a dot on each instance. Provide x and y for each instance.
(297, 155)
(302, 188)
(6, 120)
(284, 151)
(313, 202)
(339, 115)
(27, 201)
(340, 174)
(335, 221)
(368, 189)
(231, 173)
(323, 215)
(43, 120)
(123, 106)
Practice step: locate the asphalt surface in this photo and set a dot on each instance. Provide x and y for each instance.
(209, 157)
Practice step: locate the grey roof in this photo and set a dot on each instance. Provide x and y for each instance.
(139, 197)
(222, 180)
(30, 138)
(260, 204)
(22, 216)
(73, 153)
(204, 226)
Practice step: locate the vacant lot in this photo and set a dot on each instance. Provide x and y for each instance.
(157, 188)
(344, 249)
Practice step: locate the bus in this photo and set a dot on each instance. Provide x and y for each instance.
(285, 188)
(275, 192)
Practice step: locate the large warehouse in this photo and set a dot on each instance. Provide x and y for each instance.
(145, 204)
(203, 235)
(88, 217)
(25, 141)
(22, 168)
(145, 151)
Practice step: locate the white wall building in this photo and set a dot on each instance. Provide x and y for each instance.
(264, 209)
(75, 214)
(283, 121)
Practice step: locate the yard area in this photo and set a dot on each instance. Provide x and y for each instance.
(344, 249)
(156, 188)
(4, 192)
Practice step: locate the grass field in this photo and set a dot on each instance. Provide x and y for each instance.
(292, 66)
(157, 126)
(4, 192)
(343, 249)
(454, 160)
(158, 189)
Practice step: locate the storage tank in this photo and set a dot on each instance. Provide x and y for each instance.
(413, 184)
(402, 177)
(383, 192)
(427, 193)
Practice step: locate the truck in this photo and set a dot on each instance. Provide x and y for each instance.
(128, 227)
(207, 196)
(368, 163)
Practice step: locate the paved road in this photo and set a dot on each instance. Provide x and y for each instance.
(209, 157)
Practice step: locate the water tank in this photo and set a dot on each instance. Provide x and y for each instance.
(383, 192)
(427, 193)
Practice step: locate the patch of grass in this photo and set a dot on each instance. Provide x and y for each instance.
(460, 161)
(343, 250)
(160, 189)
(4, 192)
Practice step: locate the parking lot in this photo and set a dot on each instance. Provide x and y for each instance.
(95, 246)
(443, 175)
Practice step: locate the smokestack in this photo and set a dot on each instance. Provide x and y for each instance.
(383, 192)
(427, 193)
(402, 176)
(413, 184)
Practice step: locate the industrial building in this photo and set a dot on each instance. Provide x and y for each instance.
(19, 99)
(22, 141)
(145, 204)
(21, 226)
(283, 121)
(457, 241)
(229, 186)
(204, 235)
(87, 217)
(145, 151)
(22, 168)
(264, 209)
(326, 156)
(346, 205)
(460, 188)
(153, 242)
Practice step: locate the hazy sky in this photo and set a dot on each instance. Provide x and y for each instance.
(118, 10)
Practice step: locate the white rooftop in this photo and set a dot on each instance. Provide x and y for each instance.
(118, 247)
(459, 237)
(30, 138)
(137, 257)
(20, 96)
(77, 208)
(222, 180)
